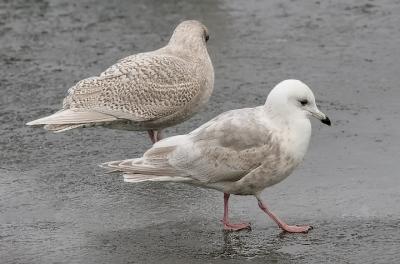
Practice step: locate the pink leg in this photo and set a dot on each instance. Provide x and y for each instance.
(228, 226)
(151, 135)
(281, 224)
(154, 135)
(158, 135)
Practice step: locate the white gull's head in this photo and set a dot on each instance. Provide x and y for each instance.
(294, 99)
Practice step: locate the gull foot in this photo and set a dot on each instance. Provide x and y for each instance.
(236, 227)
(297, 229)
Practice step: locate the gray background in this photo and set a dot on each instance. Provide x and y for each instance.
(57, 206)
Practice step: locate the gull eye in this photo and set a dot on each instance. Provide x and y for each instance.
(205, 35)
(303, 102)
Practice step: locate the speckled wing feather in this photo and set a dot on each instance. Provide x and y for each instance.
(140, 87)
(224, 149)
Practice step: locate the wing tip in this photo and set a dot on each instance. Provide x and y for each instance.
(33, 123)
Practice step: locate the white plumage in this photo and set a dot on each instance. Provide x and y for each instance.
(239, 152)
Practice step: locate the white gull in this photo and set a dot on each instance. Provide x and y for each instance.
(239, 152)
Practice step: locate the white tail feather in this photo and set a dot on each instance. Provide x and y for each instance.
(61, 128)
(153, 166)
(72, 117)
(136, 166)
(135, 178)
(136, 170)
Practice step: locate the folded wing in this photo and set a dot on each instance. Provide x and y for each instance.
(140, 87)
(224, 149)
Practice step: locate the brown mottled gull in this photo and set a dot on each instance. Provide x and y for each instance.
(239, 152)
(146, 91)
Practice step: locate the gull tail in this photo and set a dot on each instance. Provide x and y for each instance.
(69, 119)
(141, 170)
(61, 128)
(153, 166)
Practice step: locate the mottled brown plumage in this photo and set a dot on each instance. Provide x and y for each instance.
(146, 91)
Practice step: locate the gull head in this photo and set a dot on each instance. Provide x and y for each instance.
(294, 99)
(190, 33)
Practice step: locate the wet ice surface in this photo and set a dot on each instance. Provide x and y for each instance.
(127, 225)
(56, 206)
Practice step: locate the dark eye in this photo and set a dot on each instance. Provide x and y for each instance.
(303, 102)
(206, 36)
